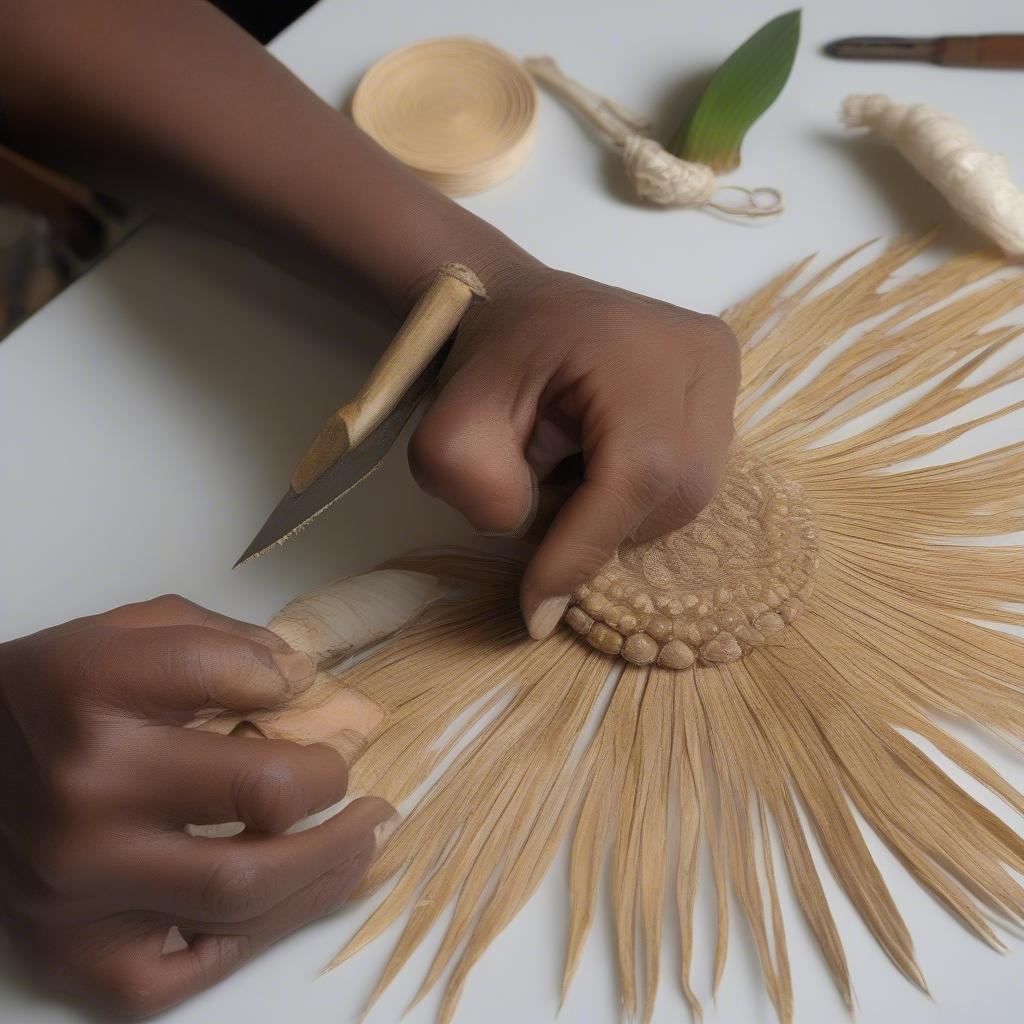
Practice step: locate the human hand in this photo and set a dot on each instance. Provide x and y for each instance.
(553, 365)
(100, 780)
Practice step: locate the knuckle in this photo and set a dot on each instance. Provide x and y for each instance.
(76, 663)
(659, 462)
(724, 341)
(169, 606)
(238, 888)
(193, 659)
(436, 456)
(80, 795)
(95, 667)
(123, 990)
(445, 457)
(272, 797)
(211, 657)
(223, 954)
(78, 788)
(332, 889)
(63, 859)
(247, 662)
(650, 469)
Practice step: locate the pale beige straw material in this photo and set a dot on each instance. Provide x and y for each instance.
(809, 723)
(459, 111)
(713, 590)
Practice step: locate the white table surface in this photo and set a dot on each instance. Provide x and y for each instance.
(150, 415)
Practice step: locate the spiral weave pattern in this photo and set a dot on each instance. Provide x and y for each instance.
(460, 112)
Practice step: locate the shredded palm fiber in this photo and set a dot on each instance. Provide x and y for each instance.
(636, 766)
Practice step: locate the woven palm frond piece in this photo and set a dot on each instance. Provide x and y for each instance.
(763, 671)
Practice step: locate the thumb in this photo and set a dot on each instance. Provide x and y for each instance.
(469, 452)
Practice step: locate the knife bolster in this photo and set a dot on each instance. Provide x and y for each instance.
(329, 445)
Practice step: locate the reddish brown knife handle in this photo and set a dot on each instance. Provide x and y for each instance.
(1006, 51)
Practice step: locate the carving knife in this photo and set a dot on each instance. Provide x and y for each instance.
(355, 439)
(993, 51)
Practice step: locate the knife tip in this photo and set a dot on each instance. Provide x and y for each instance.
(848, 46)
(273, 534)
(250, 553)
(270, 532)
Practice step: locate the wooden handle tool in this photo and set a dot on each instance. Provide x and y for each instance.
(428, 326)
(991, 51)
(354, 441)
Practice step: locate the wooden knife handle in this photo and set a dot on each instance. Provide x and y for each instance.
(427, 327)
(1001, 51)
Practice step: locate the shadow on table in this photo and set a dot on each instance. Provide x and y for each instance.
(19, 987)
(916, 207)
(265, 358)
(257, 340)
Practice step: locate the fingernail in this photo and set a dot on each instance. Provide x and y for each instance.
(248, 730)
(349, 743)
(297, 667)
(524, 524)
(544, 618)
(385, 830)
(367, 812)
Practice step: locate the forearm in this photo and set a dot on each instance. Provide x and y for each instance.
(170, 104)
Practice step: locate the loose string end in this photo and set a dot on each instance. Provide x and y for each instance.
(761, 202)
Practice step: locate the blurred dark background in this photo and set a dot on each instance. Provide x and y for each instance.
(264, 20)
(52, 229)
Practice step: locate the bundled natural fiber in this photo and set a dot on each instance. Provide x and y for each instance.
(459, 112)
(975, 181)
(656, 175)
(808, 718)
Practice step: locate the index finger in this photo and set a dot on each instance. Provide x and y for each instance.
(657, 459)
(170, 672)
(625, 478)
(175, 610)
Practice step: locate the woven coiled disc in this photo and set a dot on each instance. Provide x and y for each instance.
(459, 112)
(713, 590)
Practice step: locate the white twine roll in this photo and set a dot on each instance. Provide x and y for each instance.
(458, 111)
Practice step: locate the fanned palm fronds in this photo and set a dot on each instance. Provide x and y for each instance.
(532, 746)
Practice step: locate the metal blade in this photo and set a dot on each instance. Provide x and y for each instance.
(883, 48)
(295, 511)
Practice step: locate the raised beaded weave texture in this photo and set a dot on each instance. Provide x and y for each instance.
(713, 590)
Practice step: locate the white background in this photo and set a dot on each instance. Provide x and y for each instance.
(149, 418)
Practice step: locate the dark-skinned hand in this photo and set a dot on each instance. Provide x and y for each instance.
(101, 778)
(553, 365)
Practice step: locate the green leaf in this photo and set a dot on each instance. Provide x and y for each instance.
(740, 91)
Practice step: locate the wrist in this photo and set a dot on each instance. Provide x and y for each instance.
(493, 257)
